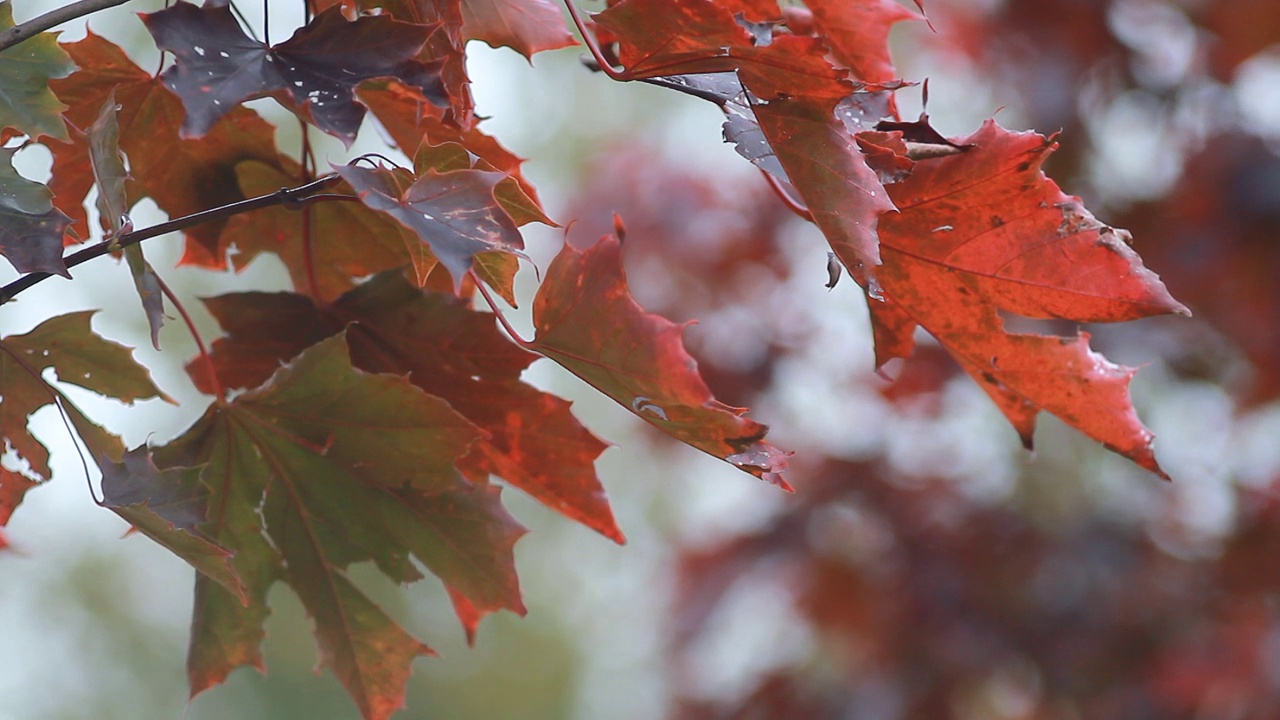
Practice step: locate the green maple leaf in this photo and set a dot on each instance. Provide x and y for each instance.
(78, 356)
(31, 227)
(165, 505)
(322, 467)
(26, 102)
(447, 349)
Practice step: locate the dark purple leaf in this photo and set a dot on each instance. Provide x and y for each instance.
(314, 73)
(453, 212)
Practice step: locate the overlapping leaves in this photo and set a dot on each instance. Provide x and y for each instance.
(78, 356)
(454, 212)
(325, 463)
(446, 349)
(1036, 252)
(791, 92)
(315, 71)
(322, 467)
(182, 176)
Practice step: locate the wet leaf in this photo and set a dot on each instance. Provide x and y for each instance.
(412, 123)
(348, 239)
(454, 212)
(984, 232)
(588, 323)
(857, 31)
(314, 72)
(182, 176)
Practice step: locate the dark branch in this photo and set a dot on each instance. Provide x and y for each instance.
(33, 27)
(292, 198)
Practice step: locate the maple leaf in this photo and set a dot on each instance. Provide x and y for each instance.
(182, 176)
(658, 38)
(587, 322)
(414, 125)
(337, 466)
(512, 192)
(316, 70)
(13, 487)
(26, 103)
(78, 356)
(857, 31)
(526, 26)
(791, 91)
(826, 166)
(445, 45)
(31, 228)
(335, 260)
(454, 212)
(449, 351)
(113, 206)
(108, 167)
(984, 232)
(166, 506)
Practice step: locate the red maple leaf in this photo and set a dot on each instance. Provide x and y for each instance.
(587, 321)
(183, 176)
(983, 232)
(526, 26)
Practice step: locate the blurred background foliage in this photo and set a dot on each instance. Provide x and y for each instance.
(928, 567)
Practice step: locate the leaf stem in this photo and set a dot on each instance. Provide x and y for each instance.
(792, 204)
(35, 26)
(219, 393)
(294, 198)
(308, 254)
(502, 319)
(589, 39)
(266, 23)
(57, 399)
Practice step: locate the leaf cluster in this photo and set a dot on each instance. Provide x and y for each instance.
(373, 414)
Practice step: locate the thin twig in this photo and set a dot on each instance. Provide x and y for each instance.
(308, 246)
(35, 26)
(57, 399)
(502, 319)
(219, 394)
(292, 198)
(593, 45)
(792, 204)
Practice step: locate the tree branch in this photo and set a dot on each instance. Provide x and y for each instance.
(35, 26)
(292, 198)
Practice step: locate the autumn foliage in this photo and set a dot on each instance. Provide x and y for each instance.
(373, 413)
